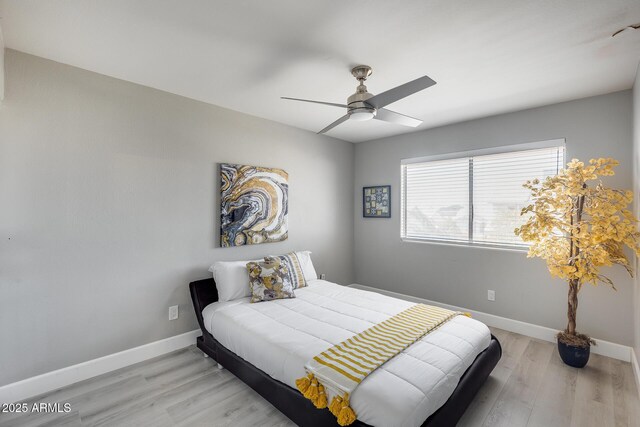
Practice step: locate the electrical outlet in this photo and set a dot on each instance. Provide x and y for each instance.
(173, 312)
(491, 295)
(322, 276)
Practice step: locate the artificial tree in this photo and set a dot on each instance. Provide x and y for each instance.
(577, 225)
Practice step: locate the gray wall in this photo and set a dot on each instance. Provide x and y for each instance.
(593, 127)
(109, 206)
(636, 187)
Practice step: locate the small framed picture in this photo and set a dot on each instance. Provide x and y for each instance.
(376, 201)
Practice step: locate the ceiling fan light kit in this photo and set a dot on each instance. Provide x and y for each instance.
(361, 115)
(362, 105)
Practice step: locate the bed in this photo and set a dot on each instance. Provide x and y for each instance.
(266, 344)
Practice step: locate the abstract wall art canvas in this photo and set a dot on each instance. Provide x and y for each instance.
(254, 205)
(376, 201)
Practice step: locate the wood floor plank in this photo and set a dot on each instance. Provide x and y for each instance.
(192, 407)
(508, 413)
(159, 369)
(141, 415)
(554, 402)
(245, 407)
(274, 418)
(515, 403)
(486, 397)
(73, 392)
(43, 419)
(111, 399)
(626, 404)
(591, 414)
(82, 388)
(180, 373)
(595, 381)
(513, 346)
(158, 377)
(151, 410)
(208, 383)
(71, 419)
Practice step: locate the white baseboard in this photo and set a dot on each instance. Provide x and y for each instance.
(605, 348)
(53, 380)
(636, 369)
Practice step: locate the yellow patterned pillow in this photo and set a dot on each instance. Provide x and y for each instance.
(291, 261)
(270, 280)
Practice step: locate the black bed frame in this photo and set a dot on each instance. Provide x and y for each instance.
(299, 409)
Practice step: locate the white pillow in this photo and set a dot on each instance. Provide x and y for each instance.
(232, 279)
(307, 266)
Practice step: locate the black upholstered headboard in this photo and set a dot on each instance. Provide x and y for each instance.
(203, 293)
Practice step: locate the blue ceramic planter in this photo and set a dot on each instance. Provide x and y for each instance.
(574, 356)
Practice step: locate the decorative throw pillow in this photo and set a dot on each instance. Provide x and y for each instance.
(294, 264)
(269, 280)
(307, 266)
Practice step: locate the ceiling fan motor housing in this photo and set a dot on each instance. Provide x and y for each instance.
(358, 109)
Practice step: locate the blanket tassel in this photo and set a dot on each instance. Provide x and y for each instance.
(321, 401)
(341, 409)
(304, 383)
(312, 390)
(335, 406)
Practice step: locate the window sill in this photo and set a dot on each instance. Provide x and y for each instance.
(507, 248)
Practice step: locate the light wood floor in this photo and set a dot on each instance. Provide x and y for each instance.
(529, 387)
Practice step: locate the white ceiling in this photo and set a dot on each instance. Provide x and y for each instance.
(488, 57)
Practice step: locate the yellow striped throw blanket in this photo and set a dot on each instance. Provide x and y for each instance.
(337, 371)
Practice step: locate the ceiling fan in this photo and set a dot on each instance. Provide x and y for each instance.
(363, 105)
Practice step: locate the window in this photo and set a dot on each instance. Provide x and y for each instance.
(476, 197)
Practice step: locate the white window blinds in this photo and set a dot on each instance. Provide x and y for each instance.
(437, 199)
(475, 198)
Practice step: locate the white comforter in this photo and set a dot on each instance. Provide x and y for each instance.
(279, 337)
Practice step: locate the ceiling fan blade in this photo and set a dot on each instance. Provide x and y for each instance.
(315, 102)
(336, 123)
(397, 118)
(392, 95)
